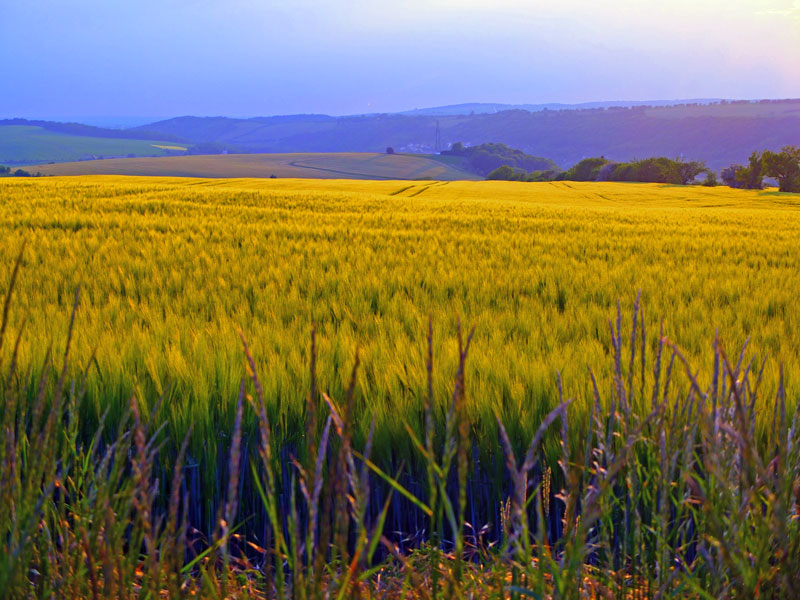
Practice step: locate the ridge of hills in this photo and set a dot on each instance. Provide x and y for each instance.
(493, 107)
(720, 133)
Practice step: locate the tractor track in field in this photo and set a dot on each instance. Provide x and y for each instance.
(338, 172)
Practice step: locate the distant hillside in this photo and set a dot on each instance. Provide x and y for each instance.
(489, 107)
(720, 133)
(79, 129)
(304, 165)
(32, 145)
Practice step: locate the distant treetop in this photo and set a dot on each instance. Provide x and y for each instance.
(485, 158)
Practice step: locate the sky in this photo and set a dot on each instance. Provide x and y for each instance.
(104, 58)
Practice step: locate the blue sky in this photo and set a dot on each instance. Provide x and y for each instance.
(248, 57)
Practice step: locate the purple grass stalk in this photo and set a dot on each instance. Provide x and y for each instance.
(429, 431)
(715, 385)
(312, 403)
(598, 411)
(313, 497)
(177, 476)
(520, 485)
(142, 494)
(173, 545)
(463, 428)
(530, 455)
(564, 429)
(657, 366)
(668, 375)
(233, 481)
(265, 452)
(633, 349)
(741, 358)
(782, 397)
(323, 449)
(617, 340)
(643, 352)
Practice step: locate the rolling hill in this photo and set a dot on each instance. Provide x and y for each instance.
(491, 107)
(720, 134)
(299, 165)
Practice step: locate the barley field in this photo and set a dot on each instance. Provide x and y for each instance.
(169, 270)
(173, 271)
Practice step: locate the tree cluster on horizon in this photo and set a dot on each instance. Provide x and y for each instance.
(485, 158)
(657, 169)
(7, 172)
(783, 166)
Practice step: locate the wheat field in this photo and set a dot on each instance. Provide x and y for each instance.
(172, 271)
(169, 270)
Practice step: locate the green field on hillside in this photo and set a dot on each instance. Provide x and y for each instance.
(334, 165)
(25, 145)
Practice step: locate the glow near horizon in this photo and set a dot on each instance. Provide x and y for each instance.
(246, 57)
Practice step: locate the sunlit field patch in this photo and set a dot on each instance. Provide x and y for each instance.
(170, 268)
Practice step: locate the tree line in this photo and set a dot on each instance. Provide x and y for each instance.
(783, 166)
(486, 158)
(657, 169)
(7, 172)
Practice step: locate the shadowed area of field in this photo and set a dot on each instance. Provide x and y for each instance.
(350, 165)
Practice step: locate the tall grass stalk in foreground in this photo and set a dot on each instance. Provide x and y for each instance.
(680, 488)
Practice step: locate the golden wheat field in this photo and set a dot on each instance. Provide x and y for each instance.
(170, 268)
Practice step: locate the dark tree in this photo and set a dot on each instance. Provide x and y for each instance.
(711, 179)
(729, 176)
(485, 158)
(751, 177)
(687, 171)
(389, 150)
(657, 169)
(606, 172)
(587, 170)
(785, 167)
(456, 149)
(506, 173)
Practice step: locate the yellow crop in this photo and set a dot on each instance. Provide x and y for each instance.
(170, 268)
